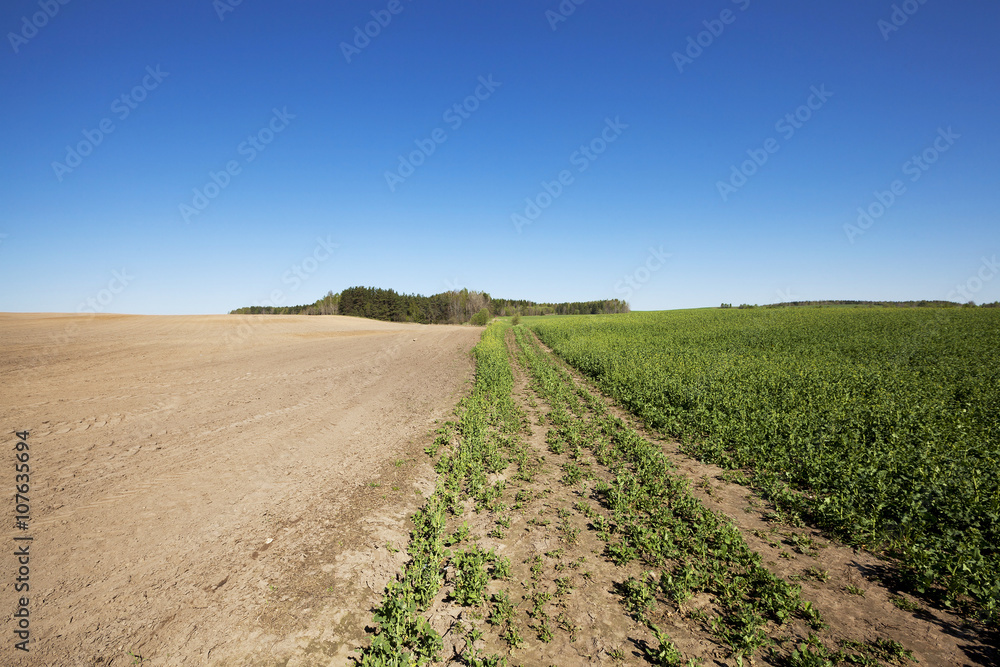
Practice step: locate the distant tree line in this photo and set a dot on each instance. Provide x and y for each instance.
(871, 304)
(453, 307)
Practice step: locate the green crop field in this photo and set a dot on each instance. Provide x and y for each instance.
(880, 425)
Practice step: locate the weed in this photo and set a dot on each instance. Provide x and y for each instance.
(538, 601)
(637, 597)
(803, 544)
(502, 610)
(585, 509)
(460, 535)
(563, 623)
(563, 586)
(536, 568)
(904, 603)
(512, 637)
(544, 630)
(816, 574)
(735, 477)
(666, 654)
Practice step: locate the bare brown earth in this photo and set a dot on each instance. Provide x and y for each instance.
(215, 490)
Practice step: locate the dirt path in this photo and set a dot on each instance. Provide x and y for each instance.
(216, 490)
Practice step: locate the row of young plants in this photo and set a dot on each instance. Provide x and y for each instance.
(655, 519)
(482, 442)
(632, 501)
(882, 426)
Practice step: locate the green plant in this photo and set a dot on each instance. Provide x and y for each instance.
(572, 475)
(481, 318)
(512, 637)
(666, 654)
(536, 568)
(812, 655)
(502, 610)
(538, 601)
(816, 574)
(460, 535)
(804, 544)
(472, 578)
(874, 653)
(501, 566)
(563, 586)
(735, 477)
(564, 623)
(637, 597)
(904, 603)
(544, 630)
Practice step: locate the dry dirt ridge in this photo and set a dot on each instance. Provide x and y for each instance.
(214, 490)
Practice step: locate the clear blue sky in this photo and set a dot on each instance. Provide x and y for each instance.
(196, 87)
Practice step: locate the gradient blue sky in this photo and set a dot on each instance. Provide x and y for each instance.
(779, 236)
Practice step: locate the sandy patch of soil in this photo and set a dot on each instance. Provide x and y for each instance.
(217, 489)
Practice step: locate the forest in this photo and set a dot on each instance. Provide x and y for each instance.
(453, 307)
